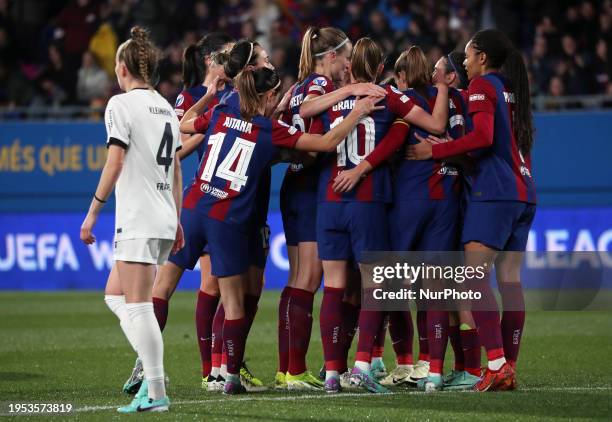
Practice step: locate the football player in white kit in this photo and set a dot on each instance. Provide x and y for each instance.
(143, 137)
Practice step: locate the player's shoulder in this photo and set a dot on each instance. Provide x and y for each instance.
(318, 82)
(486, 82)
(122, 99)
(395, 93)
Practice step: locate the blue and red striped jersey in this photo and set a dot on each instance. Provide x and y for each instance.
(262, 197)
(503, 173)
(430, 179)
(313, 85)
(376, 186)
(238, 154)
(188, 97)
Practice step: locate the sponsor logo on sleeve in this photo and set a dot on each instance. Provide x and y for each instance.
(180, 100)
(394, 89)
(477, 97)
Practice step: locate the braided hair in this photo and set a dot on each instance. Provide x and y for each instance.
(140, 55)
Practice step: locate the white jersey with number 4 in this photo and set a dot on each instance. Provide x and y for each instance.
(144, 123)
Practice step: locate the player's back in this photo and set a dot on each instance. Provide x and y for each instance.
(360, 142)
(315, 84)
(143, 122)
(427, 179)
(504, 173)
(238, 153)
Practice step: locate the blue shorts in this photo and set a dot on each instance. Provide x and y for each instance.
(424, 225)
(259, 245)
(347, 229)
(227, 245)
(299, 212)
(501, 225)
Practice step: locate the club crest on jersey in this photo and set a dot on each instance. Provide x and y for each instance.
(180, 100)
(320, 81)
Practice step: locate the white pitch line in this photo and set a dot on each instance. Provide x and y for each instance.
(255, 397)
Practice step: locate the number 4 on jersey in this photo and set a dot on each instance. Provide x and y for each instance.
(240, 154)
(165, 146)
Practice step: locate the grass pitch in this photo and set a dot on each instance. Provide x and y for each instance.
(68, 348)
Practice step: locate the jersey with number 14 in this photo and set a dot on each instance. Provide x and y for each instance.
(238, 152)
(369, 132)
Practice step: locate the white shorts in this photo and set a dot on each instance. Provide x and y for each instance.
(149, 251)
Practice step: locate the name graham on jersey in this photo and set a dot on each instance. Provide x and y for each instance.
(237, 124)
(344, 105)
(160, 110)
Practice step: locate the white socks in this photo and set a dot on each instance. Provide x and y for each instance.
(116, 303)
(331, 374)
(148, 340)
(364, 366)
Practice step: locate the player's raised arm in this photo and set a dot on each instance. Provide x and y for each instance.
(329, 141)
(315, 105)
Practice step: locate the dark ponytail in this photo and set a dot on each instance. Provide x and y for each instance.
(502, 56)
(495, 44)
(454, 63)
(194, 68)
(515, 71)
(241, 55)
(251, 85)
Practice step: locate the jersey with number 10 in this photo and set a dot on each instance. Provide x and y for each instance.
(376, 186)
(238, 152)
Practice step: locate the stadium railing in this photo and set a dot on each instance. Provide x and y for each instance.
(540, 103)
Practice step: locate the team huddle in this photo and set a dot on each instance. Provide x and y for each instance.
(419, 163)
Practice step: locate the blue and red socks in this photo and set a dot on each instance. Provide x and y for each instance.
(331, 329)
(160, 307)
(513, 319)
(206, 307)
(234, 339)
(401, 330)
(300, 328)
(283, 330)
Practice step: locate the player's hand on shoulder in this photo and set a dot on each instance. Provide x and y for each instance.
(366, 105)
(368, 89)
(86, 234)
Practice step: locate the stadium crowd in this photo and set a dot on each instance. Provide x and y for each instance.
(62, 52)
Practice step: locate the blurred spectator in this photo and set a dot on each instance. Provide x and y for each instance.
(59, 75)
(104, 45)
(93, 82)
(76, 24)
(555, 89)
(541, 66)
(602, 68)
(42, 42)
(574, 73)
